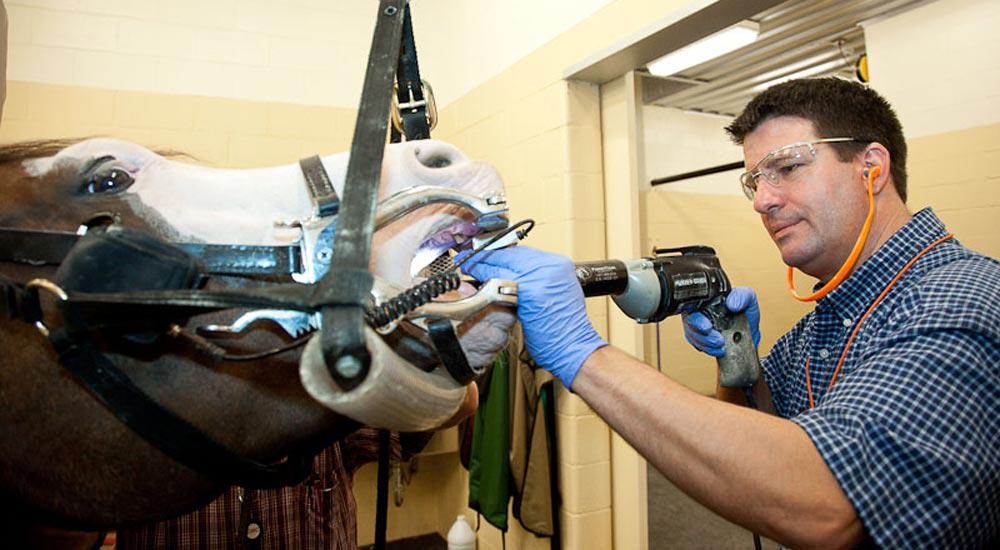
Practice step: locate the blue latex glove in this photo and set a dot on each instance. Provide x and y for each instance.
(550, 306)
(699, 331)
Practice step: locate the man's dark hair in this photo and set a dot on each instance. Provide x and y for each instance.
(837, 108)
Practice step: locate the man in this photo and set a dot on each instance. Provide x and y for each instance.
(317, 513)
(897, 443)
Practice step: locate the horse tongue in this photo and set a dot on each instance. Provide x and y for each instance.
(432, 257)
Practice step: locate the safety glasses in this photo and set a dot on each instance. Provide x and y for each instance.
(784, 164)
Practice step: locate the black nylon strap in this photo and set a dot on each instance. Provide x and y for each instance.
(168, 432)
(410, 87)
(450, 351)
(321, 189)
(36, 247)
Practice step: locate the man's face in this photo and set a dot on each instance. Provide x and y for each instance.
(814, 217)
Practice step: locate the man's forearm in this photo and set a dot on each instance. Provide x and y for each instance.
(757, 470)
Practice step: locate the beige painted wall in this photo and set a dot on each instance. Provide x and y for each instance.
(216, 131)
(293, 51)
(544, 134)
(309, 52)
(676, 141)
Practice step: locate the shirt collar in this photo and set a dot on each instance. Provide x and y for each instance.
(855, 294)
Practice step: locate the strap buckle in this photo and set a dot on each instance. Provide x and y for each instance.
(50, 287)
(427, 102)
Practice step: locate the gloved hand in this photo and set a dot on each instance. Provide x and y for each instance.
(550, 306)
(699, 331)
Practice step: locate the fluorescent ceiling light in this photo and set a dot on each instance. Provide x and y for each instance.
(710, 47)
(804, 73)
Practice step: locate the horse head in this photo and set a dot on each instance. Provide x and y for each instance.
(259, 408)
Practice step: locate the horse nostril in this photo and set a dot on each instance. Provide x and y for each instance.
(437, 162)
(433, 160)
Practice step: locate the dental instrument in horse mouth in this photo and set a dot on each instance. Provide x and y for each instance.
(415, 302)
(434, 255)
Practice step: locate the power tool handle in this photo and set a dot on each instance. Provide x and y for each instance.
(740, 366)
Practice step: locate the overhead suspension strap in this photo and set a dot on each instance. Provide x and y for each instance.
(411, 106)
(347, 285)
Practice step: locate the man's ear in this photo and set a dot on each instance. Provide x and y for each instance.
(876, 155)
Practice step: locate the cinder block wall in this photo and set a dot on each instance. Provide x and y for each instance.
(544, 135)
(215, 131)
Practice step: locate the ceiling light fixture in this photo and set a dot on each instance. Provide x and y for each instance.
(710, 47)
(804, 73)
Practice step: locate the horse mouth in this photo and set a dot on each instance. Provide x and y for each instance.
(435, 253)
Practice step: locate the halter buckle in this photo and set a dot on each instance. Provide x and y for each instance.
(51, 288)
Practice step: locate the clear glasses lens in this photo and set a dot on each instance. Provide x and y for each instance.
(782, 165)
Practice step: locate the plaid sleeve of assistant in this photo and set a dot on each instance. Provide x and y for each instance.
(913, 433)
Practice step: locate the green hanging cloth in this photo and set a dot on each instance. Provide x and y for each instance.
(489, 467)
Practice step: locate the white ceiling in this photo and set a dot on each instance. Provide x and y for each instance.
(798, 38)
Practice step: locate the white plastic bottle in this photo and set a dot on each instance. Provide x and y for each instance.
(461, 536)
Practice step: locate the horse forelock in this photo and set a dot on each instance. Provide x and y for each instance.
(34, 149)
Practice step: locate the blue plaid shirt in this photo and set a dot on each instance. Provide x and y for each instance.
(911, 428)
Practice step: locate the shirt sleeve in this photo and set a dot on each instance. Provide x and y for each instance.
(913, 435)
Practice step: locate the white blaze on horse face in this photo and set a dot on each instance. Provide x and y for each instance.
(214, 205)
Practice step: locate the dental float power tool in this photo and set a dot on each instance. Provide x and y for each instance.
(678, 280)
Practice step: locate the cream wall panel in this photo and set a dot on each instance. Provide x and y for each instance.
(72, 30)
(439, 480)
(485, 38)
(678, 141)
(958, 174)
(585, 426)
(139, 37)
(570, 404)
(288, 40)
(39, 63)
(591, 530)
(938, 65)
(216, 131)
(585, 489)
(292, 51)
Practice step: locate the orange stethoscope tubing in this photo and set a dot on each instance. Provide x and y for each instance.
(852, 258)
(857, 327)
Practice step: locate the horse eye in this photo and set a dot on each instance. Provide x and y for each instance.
(109, 181)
